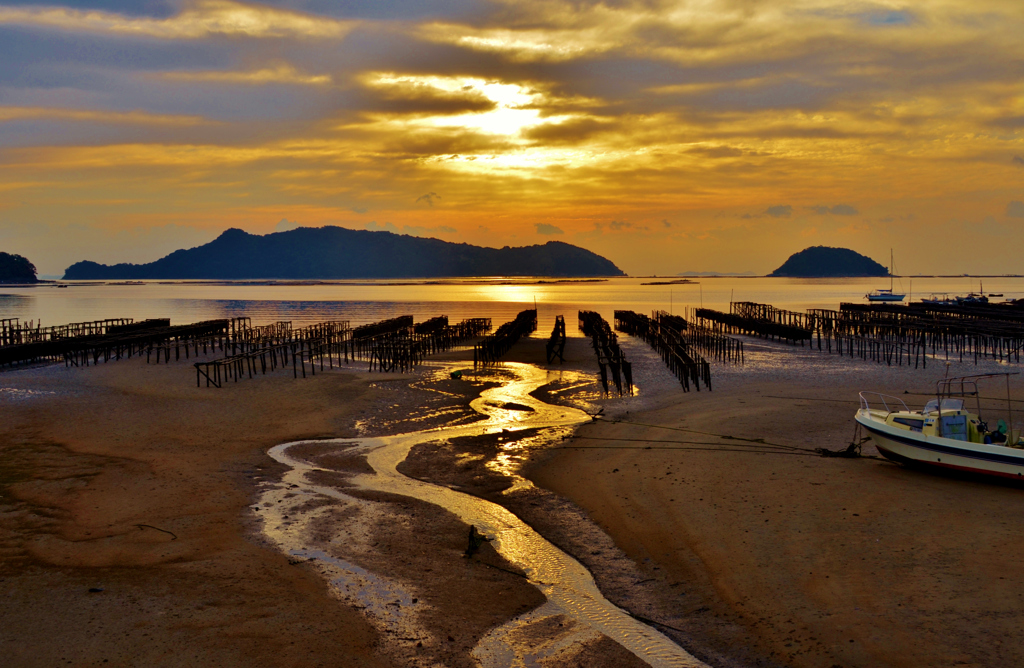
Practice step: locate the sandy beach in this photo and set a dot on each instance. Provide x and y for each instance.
(131, 535)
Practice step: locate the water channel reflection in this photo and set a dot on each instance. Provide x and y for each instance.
(569, 588)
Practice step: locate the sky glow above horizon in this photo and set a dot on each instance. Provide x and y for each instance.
(705, 135)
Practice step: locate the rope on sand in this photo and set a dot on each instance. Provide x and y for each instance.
(753, 445)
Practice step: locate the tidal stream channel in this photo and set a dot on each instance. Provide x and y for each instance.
(569, 588)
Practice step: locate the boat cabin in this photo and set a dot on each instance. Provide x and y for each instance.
(957, 423)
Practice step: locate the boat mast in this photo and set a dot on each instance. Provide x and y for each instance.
(890, 270)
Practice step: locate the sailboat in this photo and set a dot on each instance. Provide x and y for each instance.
(883, 295)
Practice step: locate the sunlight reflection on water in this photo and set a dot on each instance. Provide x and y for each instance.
(366, 301)
(568, 586)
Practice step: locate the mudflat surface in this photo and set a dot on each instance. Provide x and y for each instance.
(794, 558)
(123, 490)
(128, 533)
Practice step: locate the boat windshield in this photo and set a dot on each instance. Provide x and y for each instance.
(947, 405)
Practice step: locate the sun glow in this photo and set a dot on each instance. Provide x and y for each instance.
(513, 107)
(504, 114)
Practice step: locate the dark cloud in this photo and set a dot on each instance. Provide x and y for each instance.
(1015, 209)
(284, 225)
(147, 8)
(419, 231)
(617, 225)
(411, 230)
(374, 226)
(546, 229)
(567, 132)
(405, 10)
(443, 142)
(717, 151)
(991, 226)
(1009, 122)
(877, 15)
(428, 198)
(423, 100)
(779, 211)
(1017, 160)
(887, 18)
(837, 210)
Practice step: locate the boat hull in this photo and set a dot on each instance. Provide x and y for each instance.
(885, 298)
(944, 453)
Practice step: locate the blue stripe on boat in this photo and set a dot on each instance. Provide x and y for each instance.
(1015, 460)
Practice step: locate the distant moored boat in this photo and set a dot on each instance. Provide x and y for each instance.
(883, 295)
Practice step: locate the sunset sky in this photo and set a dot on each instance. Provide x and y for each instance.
(711, 135)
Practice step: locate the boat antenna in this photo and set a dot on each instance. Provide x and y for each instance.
(892, 269)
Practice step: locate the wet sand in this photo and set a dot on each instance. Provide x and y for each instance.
(129, 480)
(795, 559)
(130, 533)
(122, 505)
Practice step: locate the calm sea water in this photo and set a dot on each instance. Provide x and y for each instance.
(369, 301)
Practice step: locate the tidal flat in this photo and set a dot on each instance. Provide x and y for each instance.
(134, 520)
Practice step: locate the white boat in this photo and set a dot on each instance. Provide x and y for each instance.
(944, 434)
(883, 295)
(944, 300)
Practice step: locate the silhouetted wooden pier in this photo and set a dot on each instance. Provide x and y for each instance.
(754, 320)
(490, 349)
(687, 365)
(555, 346)
(711, 343)
(914, 331)
(893, 334)
(389, 345)
(609, 355)
(119, 340)
(14, 332)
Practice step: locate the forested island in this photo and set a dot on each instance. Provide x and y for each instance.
(16, 269)
(828, 262)
(340, 253)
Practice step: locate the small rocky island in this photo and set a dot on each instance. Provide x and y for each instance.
(828, 262)
(339, 253)
(16, 269)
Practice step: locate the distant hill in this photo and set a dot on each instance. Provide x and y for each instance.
(16, 269)
(336, 253)
(823, 262)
